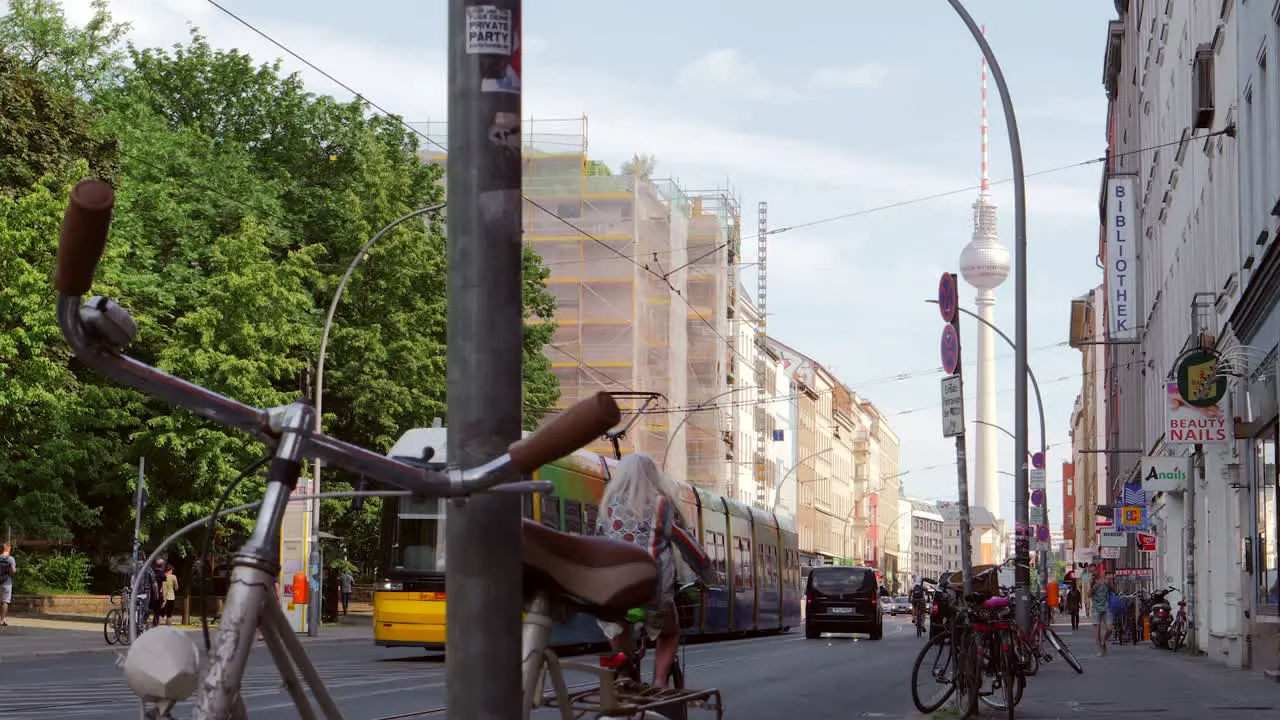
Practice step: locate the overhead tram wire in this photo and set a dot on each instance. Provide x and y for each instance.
(785, 398)
(811, 223)
(834, 218)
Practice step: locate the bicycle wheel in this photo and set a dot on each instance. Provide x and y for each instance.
(968, 674)
(111, 627)
(1028, 655)
(1007, 680)
(940, 677)
(122, 629)
(1063, 650)
(677, 675)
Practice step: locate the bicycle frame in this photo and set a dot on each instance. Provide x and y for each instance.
(99, 330)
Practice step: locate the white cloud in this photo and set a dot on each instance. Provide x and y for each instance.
(726, 71)
(850, 77)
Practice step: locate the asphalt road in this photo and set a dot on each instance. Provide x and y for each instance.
(761, 678)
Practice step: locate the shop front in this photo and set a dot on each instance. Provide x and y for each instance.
(1252, 478)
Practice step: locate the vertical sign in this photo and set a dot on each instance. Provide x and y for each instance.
(1122, 253)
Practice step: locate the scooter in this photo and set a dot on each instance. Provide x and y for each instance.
(1161, 615)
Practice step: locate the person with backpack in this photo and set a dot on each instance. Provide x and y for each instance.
(8, 568)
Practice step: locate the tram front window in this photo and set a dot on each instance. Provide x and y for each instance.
(420, 536)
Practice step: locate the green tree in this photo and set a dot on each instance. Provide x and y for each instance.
(76, 59)
(242, 198)
(44, 130)
(595, 167)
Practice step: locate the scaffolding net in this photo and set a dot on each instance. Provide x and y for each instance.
(640, 272)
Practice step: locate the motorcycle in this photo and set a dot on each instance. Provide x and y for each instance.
(1161, 616)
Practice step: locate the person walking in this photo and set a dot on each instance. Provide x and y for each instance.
(1100, 597)
(348, 586)
(1073, 606)
(170, 594)
(8, 568)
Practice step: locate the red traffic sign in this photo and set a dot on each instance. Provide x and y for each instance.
(948, 297)
(1037, 461)
(1146, 543)
(950, 350)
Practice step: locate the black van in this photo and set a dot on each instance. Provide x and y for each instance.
(841, 599)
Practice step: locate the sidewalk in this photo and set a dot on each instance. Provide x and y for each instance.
(1141, 681)
(27, 637)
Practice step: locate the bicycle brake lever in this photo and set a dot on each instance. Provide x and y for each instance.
(108, 322)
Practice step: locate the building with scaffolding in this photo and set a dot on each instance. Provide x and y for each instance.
(640, 270)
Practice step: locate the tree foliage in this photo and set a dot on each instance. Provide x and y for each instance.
(241, 198)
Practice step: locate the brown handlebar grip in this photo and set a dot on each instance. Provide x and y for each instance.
(569, 431)
(83, 236)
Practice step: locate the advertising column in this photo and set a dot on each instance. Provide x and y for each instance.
(295, 546)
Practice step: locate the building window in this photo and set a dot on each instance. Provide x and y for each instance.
(1267, 554)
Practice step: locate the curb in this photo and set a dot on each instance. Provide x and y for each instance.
(322, 640)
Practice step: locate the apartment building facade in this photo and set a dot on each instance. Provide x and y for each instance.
(1193, 94)
(927, 537)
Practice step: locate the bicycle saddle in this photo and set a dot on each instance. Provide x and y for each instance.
(610, 575)
(992, 603)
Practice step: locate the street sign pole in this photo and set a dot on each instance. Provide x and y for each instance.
(953, 412)
(485, 329)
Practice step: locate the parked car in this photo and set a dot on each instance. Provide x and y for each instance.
(842, 599)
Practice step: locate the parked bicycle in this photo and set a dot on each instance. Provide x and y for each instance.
(115, 624)
(563, 573)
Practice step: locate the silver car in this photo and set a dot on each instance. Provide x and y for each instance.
(899, 606)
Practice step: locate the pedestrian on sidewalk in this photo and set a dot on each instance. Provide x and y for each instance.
(1100, 596)
(348, 586)
(170, 594)
(8, 568)
(1073, 606)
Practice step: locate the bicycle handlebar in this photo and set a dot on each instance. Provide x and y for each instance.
(98, 331)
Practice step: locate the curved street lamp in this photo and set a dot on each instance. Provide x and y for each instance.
(671, 436)
(313, 609)
(777, 492)
(1021, 490)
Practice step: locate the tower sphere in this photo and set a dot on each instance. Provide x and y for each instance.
(985, 264)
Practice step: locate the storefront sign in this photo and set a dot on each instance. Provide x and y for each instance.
(1146, 543)
(1122, 232)
(1113, 538)
(1131, 518)
(1164, 474)
(1199, 382)
(1139, 573)
(1189, 425)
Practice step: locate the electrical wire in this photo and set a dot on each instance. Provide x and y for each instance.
(665, 277)
(785, 398)
(207, 545)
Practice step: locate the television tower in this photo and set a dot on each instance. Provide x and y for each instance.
(985, 264)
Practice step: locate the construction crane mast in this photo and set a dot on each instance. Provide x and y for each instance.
(763, 493)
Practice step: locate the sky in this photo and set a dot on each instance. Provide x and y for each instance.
(840, 110)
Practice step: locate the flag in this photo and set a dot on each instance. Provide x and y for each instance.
(778, 435)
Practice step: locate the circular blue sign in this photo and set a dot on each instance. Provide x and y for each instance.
(1037, 461)
(950, 349)
(947, 297)
(1042, 533)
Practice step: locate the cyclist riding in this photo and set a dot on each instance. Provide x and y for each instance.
(918, 597)
(639, 507)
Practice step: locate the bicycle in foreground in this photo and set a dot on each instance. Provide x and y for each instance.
(563, 573)
(981, 644)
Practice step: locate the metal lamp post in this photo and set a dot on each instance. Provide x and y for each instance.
(1021, 517)
(1021, 491)
(313, 608)
(777, 492)
(671, 437)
